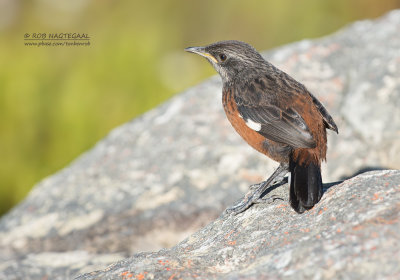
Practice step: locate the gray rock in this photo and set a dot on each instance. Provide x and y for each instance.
(353, 233)
(154, 181)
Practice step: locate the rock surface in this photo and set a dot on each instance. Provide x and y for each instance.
(353, 233)
(154, 181)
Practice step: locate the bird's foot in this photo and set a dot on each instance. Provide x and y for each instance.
(253, 196)
(254, 187)
(243, 204)
(268, 199)
(256, 191)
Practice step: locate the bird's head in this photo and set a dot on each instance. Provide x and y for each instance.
(230, 58)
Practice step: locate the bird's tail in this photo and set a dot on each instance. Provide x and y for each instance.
(305, 185)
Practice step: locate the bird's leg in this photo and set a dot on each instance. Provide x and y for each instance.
(277, 180)
(255, 192)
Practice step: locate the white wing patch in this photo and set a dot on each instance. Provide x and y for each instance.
(253, 125)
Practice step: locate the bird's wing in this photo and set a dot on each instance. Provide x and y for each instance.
(283, 125)
(328, 120)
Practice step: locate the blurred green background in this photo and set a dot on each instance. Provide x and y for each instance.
(57, 102)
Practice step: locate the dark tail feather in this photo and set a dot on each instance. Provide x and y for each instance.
(305, 185)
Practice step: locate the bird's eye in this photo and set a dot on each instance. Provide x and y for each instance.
(222, 57)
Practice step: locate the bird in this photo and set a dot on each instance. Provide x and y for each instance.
(277, 116)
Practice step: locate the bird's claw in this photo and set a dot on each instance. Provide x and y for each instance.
(268, 199)
(250, 198)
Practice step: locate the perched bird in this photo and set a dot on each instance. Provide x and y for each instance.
(277, 116)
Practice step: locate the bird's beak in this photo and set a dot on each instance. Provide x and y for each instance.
(201, 51)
